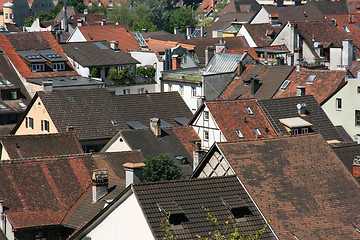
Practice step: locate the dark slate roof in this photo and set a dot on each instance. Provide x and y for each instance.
(176, 141)
(343, 133)
(325, 84)
(346, 153)
(191, 196)
(13, 27)
(70, 11)
(42, 191)
(27, 146)
(84, 209)
(271, 78)
(201, 44)
(90, 54)
(2, 235)
(300, 184)
(241, 6)
(91, 111)
(280, 108)
(263, 33)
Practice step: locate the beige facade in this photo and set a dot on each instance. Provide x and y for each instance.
(41, 122)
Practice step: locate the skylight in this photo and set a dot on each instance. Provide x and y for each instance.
(311, 79)
(7, 82)
(22, 105)
(248, 109)
(238, 132)
(2, 106)
(257, 131)
(345, 28)
(285, 84)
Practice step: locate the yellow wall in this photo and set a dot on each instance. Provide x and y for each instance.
(38, 112)
(228, 35)
(10, 13)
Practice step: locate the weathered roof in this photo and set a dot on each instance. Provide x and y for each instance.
(233, 116)
(176, 141)
(27, 146)
(299, 184)
(347, 152)
(90, 54)
(241, 6)
(271, 77)
(279, 108)
(160, 46)
(222, 63)
(322, 84)
(190, 197)
(163, 35)
(262, 34)
(120, 33)
(70, 11)
(93, 112)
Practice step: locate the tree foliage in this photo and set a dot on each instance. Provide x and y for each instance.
(123, 74)
(145, 71)
(181, 18)
(161, 168)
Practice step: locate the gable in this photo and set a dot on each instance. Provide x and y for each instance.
(76, 36)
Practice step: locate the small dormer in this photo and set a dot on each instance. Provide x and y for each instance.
(238, 207)
(36, 62)
(296, 125)
(173, 212)
(55, 60)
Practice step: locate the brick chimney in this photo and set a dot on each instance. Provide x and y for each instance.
(198, 154)
(79, 22)
(240, 67)
(356, 166)
(100, 184)
(175, 62)
(155, 126)
(133, 173)
(209, 52)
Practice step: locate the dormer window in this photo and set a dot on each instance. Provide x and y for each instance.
(296, 125)
(238, 207)
(38, 67)
(99, 3)
(248, 109)
(58, 66)
(173, 211)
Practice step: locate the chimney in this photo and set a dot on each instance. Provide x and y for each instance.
(347, 53)
(298, 67)
(209, 51)
(155, 126)
(356, 166)
(100, 183)
(202, 31)
(103, 22)
(175, 62)
(198, 154)
(47, 86)
(114, 45)
(133, 173)
(86, 11)
(279, 3)
(79, 22)
(188, 32)
(255, 84)
(64, 20)
(221, 46)
(274, 19)
(176, 30)
(240, 67)
(300, 90)
(301, 108)
(2, 217)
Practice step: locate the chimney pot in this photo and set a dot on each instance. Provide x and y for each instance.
(198, 154)
(103, 22)
(100, 182)
(155, 126)
(133, 172)
(255, 84)
(176, 30)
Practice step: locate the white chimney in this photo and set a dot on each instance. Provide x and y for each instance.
(86, 11)
(155, 126)
(79, 22)
(347, 55)
(47, 86)
(64, 25)
(2, 216)
(197, 155)
(133, 173)
(176, 30)
(300, 90)
(100, 183)
(114, 45)
(103, 22)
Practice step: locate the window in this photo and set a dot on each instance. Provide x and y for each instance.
(358, 89)
(141, 90)
(6, 15)
(345, 28)
(311, 79)
(304, 130)
(206, 135)
(206, 116)
(357, 117)
(126, 91)
(294, 132)
(193, 90)
(338, 104)
(45, 127)
(29, 121)
(58, 66)
(170, 87)
(248, 109)
(181, 90)
(257, 131)
(285, 84)
(11, 16)
(238, 132)
(38, 67)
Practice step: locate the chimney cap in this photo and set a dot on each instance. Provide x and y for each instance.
(133, 165)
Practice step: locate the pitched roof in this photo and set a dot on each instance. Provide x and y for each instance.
(280, 108)
(322, 84)
(96, 114)
(347, 152)
(241, 6)
(10, 43)
(163, 36)
(262, 34)
(353, 5)
(120, 33)
(160, 46)
(90, 54)
(176, 141)
(299, 184)
(271, 78)
(27, 146)
(222, 63)
(231, 116)
(189, 197)
(45, 196)
(70, 11)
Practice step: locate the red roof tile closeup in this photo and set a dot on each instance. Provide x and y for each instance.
(320, 83)
(233, 115)
(187, 137)
(120, 33)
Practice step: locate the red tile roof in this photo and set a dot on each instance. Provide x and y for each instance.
(187, 137)
(325, 84)
(207, 5)
(160, 46)
(120, 33)
(232, 115)
(9, 43)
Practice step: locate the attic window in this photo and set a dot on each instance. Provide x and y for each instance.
(285, 84)
(248, 109)
(22, 105)
(311, 79)
(238, 207)
(238, 132)
(7, 82)
(346, 30)
(114, 122)
(173, 211)
(257, 131)
(2, 107)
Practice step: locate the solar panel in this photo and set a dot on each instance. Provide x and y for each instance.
(136, 125)
(181, 120)
(100, 45)
(164, 123)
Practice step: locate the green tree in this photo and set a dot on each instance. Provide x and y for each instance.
(150, 71)
(181, 18)
(95, 73)
(121, 14)
(161, 168)
(96, 9)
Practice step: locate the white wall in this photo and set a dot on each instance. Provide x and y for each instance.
(201, 125)
(261, 17)
(350, 102)
(243, 32)
(119, 145)
(77, 36)
(82, 71)
(126, 222)
(133, 89)
(336, 59)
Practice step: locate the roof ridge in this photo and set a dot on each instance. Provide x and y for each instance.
(29, 159)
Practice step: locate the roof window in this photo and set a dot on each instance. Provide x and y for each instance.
(257, 131)
(173, 211)
(248, 109)
(311, 79)
(2, 107)
(238, 207)
(285, 84)
(238, 132)
(346, 30)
